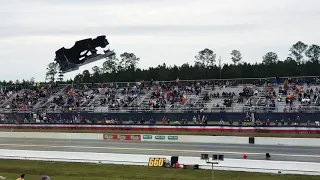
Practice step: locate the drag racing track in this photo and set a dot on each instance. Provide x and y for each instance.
(278, 153)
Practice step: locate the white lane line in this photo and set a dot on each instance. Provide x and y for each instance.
(185, 145)
(162, 150)
(248, 146)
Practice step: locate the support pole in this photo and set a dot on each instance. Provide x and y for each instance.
(212, 172)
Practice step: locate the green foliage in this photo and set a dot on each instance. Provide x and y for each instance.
(270, 68)
(52, 71)
(129, 61)
(297, 51)
(236, 56)
(270, 58)
(205, 58)
(110, 65)
(303, 60)
(313, 53)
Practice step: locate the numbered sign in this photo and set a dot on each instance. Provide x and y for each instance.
(157, 162)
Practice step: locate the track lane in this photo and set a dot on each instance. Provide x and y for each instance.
(278, 153)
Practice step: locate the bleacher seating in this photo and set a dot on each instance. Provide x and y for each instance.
(264, 95)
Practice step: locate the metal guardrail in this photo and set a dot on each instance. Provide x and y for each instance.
(239, 80)
(152, 125)
(261, 109)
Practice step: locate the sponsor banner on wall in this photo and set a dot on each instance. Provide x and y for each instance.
(173, 138)
(148, 137)
(122, 137)
(160, 137)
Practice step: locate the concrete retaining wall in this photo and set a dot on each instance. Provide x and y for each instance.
(312, 142)
(48, 135)
(288, 141)
(195, 139)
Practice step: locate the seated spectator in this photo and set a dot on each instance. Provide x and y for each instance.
(228, 102)
(240, 99)
(216, 95)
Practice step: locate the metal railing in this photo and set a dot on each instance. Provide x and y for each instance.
(215, 81)
(258, 109)
(238, 80)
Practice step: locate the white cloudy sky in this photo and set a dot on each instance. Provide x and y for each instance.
(166, 31)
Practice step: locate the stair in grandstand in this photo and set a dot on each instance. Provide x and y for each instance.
(252, 101)
(9, 101)
(86, 102)
(145, 101)
(280, 105)
(50, 99)
(140, 99)
(40, 102)
(205, 90)
(195, 102)
(213, 103)
(191, 100)
(94, 100)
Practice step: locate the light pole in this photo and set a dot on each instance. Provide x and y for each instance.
(220, 66)
(215, 160)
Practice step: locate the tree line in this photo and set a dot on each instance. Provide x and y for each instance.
(302, 60)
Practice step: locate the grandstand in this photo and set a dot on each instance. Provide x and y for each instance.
(262, 95)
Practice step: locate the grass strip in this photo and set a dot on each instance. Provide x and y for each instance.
(11, 169)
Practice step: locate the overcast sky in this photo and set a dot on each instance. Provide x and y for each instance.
(166, 31)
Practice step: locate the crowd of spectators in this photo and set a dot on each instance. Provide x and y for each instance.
(73, 97)
(270, 98)
(168, 95)
(115, 97)
(5, 95)
(305, 97)
(173, 94)
(26, 99)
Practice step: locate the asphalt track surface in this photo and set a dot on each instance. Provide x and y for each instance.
(278, 153)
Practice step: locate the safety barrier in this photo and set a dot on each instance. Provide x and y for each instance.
(52, 135)
(195, 139)
(306, 142)
(245, 129)
(266, 166)
(271, 141)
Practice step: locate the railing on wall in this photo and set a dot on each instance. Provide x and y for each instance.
(258, 109)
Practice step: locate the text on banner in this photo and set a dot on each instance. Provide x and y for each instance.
(122, 137)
